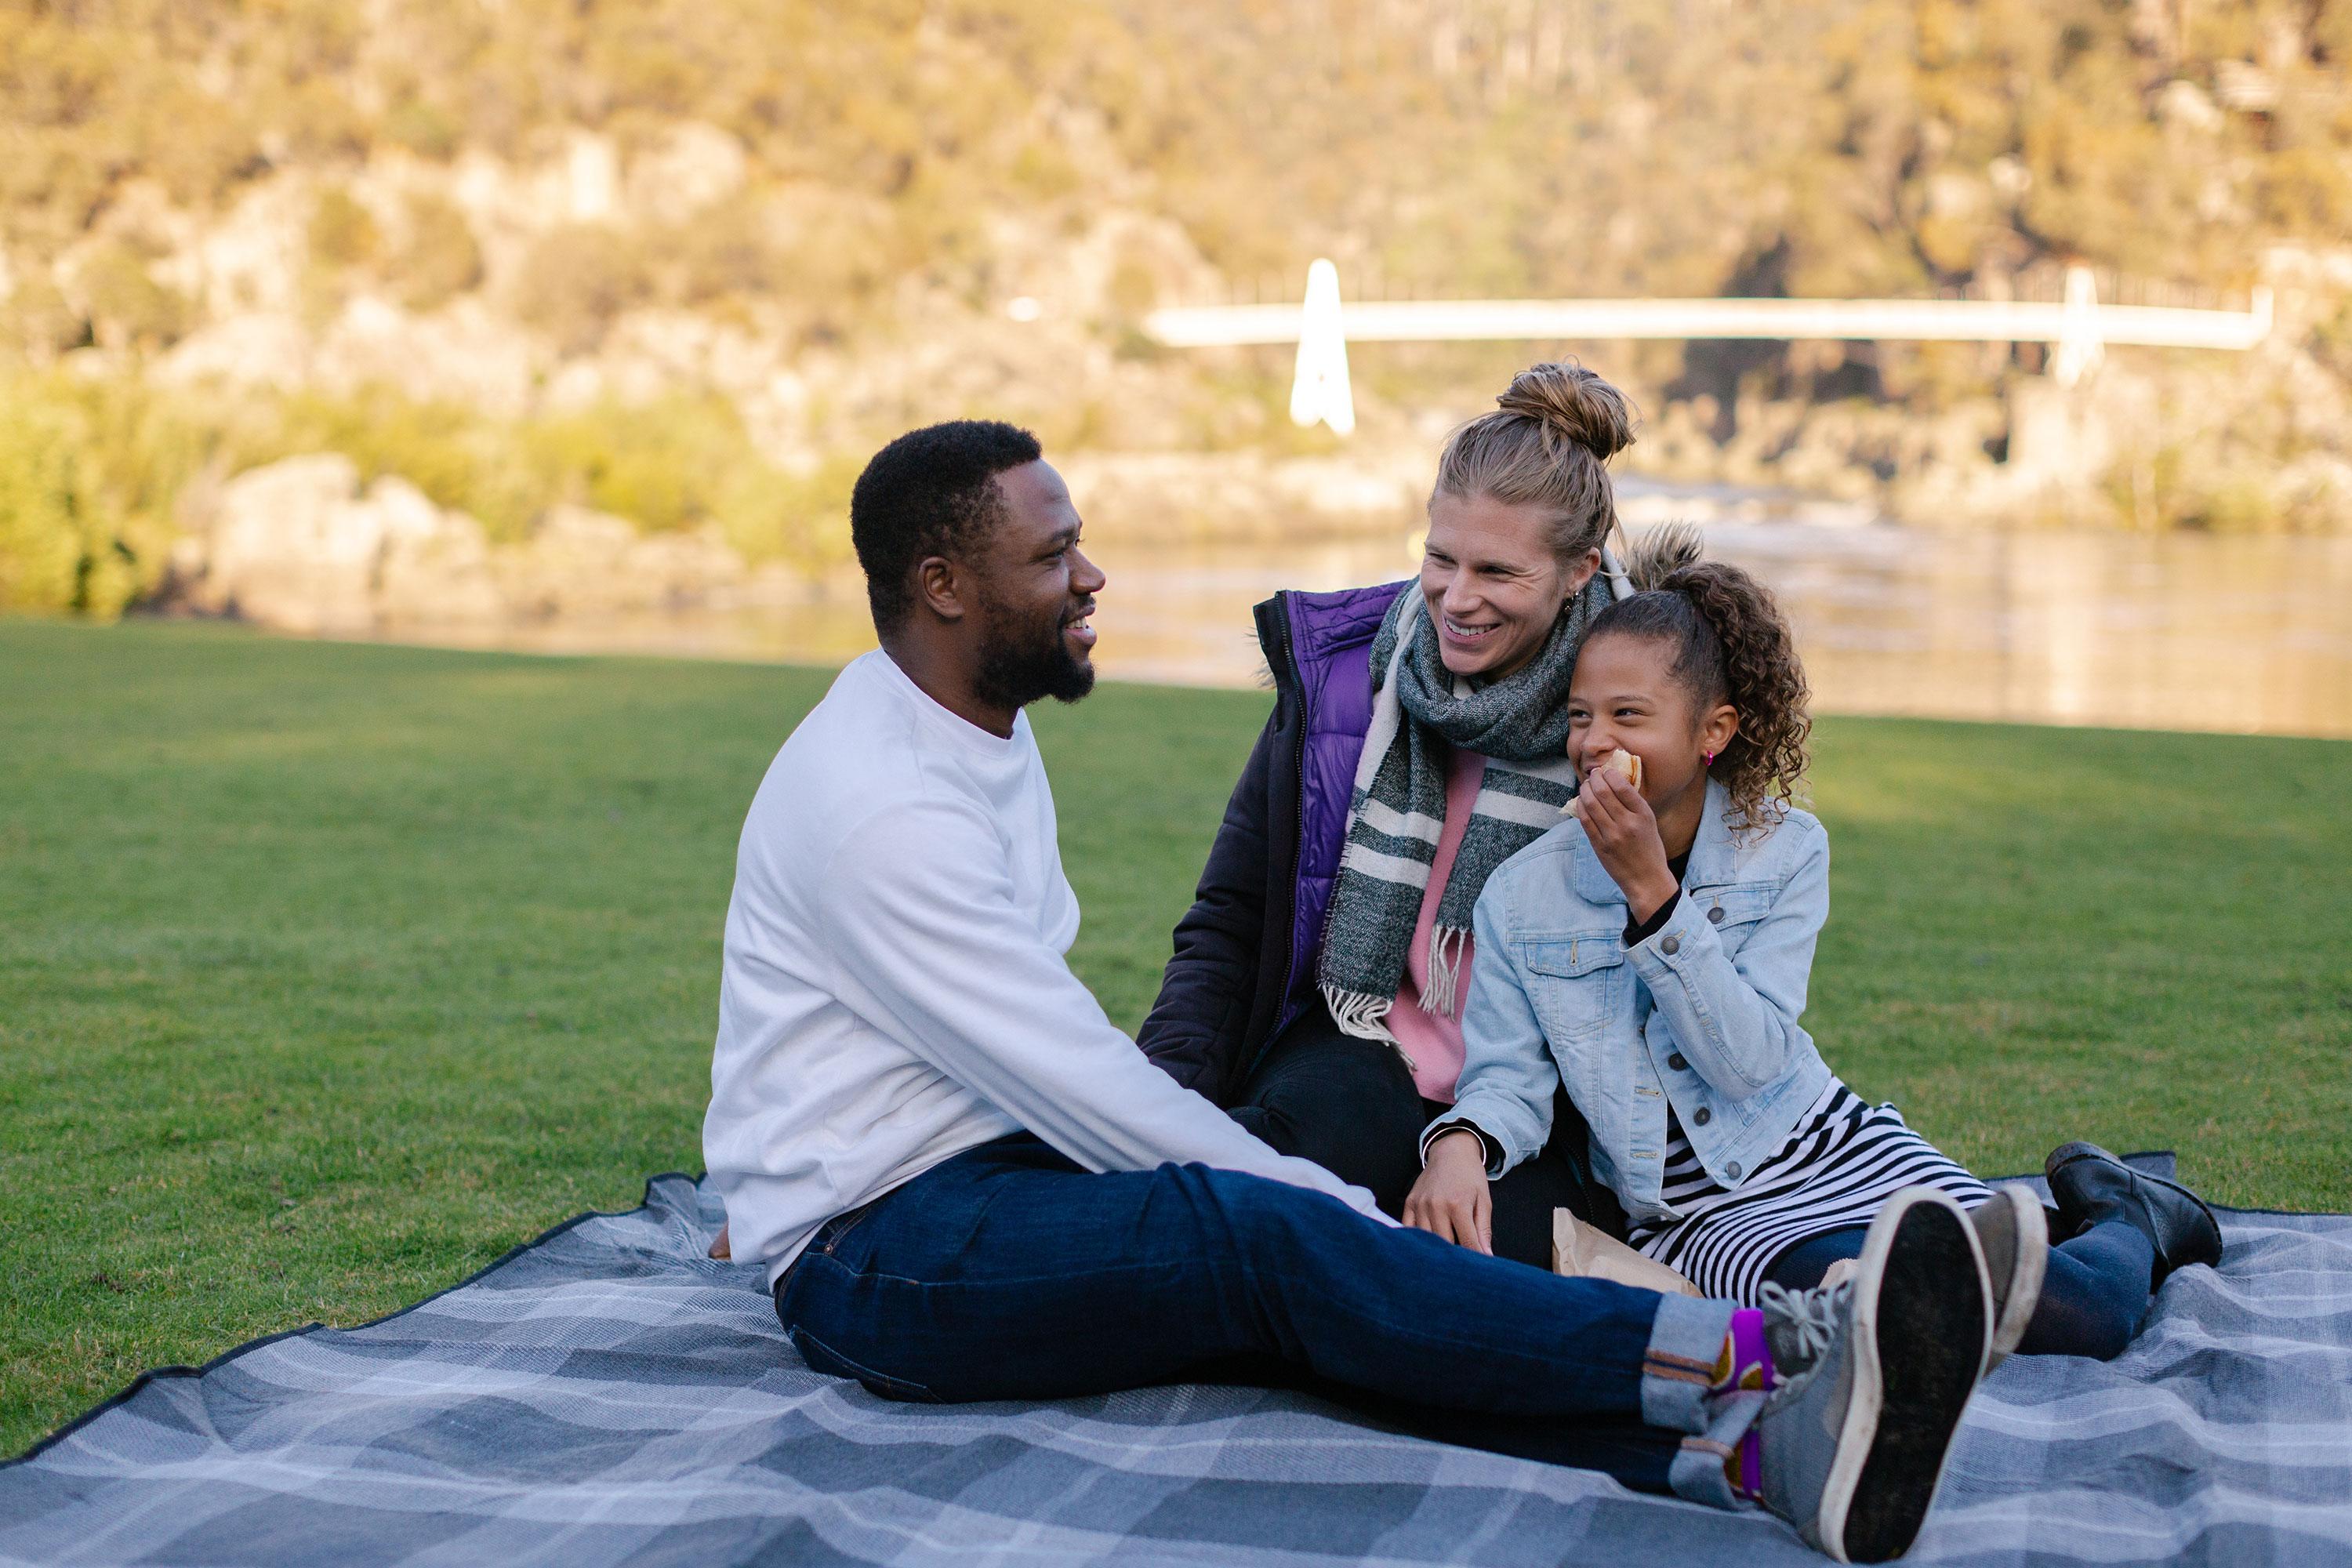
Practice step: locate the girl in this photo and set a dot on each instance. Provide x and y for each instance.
(1651, 953)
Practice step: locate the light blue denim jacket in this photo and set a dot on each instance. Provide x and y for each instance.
(1701, 1015)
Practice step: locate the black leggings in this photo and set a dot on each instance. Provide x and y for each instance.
(2093, 1298)
(1350, 1106)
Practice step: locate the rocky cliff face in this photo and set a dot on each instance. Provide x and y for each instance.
(304, 546)
(488, 297)
(552, 284)
(513, 288)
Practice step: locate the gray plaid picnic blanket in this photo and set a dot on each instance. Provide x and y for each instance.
(607, 1394)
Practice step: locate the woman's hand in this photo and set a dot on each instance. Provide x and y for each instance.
(1451, 1199)
(1624, 834)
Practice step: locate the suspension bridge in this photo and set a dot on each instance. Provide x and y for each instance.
(2079, 326)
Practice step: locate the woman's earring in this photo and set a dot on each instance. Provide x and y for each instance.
(1710, 759)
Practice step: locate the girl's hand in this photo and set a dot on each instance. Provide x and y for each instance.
(1624, 834)
(1451, 1199)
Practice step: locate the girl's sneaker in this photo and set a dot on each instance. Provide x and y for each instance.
(2092, 1185)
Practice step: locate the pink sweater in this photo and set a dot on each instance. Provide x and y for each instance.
(1432, 1040)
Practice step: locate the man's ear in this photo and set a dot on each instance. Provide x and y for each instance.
(942, 587)
(1714, 731)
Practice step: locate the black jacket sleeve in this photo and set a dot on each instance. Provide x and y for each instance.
(1197, 1029)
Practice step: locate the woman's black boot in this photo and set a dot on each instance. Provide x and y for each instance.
(2092, 1186)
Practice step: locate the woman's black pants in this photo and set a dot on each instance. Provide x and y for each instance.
(1350, 1106)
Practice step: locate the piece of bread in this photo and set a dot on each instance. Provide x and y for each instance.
(1625, 764)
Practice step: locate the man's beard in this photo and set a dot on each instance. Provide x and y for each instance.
(1020, 663)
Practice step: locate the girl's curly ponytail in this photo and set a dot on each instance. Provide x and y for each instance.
(1730, 644)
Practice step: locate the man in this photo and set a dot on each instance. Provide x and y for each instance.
(965, 1184)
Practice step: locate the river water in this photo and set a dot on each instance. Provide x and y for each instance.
(2173, 631)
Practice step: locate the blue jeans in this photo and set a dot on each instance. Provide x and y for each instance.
(2092, 1296)
(1009, 1273)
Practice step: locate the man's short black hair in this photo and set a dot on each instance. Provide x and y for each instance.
(930, 493)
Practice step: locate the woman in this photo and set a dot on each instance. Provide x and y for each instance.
(1417, 739)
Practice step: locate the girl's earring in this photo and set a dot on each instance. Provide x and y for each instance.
(1710, 759)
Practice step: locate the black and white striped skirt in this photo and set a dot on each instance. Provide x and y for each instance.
(1844, 1160)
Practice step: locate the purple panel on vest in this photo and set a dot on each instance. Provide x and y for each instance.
(1330, 639)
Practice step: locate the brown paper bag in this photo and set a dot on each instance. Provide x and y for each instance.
(1582, 1249)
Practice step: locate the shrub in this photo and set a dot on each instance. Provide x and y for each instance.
(127, 306)
(439, 257)
(802, 519)
(453, 453)
(343, 232)
(576, 281)
(40, 318)
(730, 250)
(196, 144)
(88, 473)
(320, 120)
(44, 503)
(678, 462)
(424, 128)
(683, 461)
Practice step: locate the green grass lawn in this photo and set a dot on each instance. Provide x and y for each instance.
(327, 972)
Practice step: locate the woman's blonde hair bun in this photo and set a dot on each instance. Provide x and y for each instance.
(1548, 445)
(1565, 397)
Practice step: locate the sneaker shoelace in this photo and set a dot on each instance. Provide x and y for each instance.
(1801, 1326)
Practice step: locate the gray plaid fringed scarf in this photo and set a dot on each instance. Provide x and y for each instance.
(1521, 725)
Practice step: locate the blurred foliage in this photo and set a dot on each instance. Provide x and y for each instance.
(683, 461)
(343, 232)
(1503, 147)
(439, 259)
(89, 470)
(576, 280)
(127, 307)
(40, 316)
(451, 452)
(676, 463)
(92, 468)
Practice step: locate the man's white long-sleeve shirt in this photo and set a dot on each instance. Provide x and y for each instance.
(895, 991)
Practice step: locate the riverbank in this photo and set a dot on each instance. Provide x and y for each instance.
(2163, 631)
(335, 970)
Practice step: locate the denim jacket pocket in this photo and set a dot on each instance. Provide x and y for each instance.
(1580, 983)
(1742, 906)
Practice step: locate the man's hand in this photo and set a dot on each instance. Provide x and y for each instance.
(1624, 834)
(1451, 1199)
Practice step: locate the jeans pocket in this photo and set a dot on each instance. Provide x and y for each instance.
(822, 1357)
(830, 1234)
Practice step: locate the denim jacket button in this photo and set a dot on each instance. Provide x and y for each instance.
(1702, 1116)
(1714, 916)
(1671, 946)
(1732, 1170)
(1676, 1062)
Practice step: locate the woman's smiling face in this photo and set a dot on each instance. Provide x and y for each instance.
(1493, 581)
